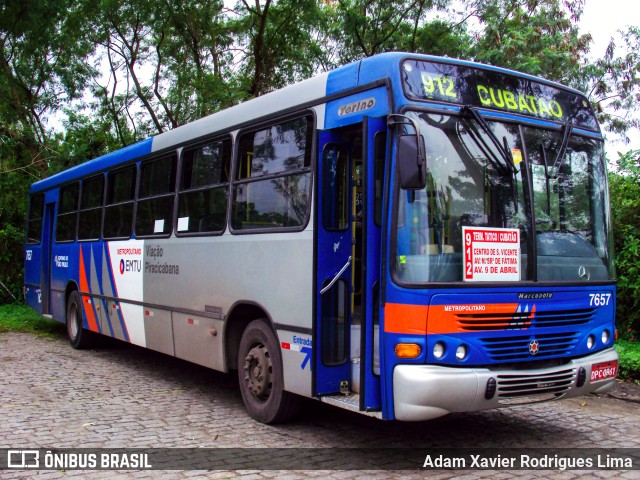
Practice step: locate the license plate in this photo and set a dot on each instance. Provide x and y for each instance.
(603, 371)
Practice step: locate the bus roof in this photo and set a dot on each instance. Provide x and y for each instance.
(307, 92)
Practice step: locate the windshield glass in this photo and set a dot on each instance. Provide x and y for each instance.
(571, 206)
(470, 183)
(476, 184)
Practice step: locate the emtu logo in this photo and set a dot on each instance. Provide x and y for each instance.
(130, 266)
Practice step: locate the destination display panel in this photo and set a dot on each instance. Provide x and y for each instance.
(430, 81)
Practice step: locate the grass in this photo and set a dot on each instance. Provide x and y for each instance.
(20, 318)
(629, 353)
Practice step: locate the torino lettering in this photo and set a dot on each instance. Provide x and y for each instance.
(359, 106)
(518, 102)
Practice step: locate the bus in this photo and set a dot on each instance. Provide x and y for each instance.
(405, 236)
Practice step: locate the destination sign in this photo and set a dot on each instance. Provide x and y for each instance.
(483, 88)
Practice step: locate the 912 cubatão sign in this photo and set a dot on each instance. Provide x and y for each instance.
(484, 88)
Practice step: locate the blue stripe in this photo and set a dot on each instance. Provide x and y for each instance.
(125, 333)
(96, 165)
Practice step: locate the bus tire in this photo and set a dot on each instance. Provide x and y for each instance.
(260, 376)
(79, 337)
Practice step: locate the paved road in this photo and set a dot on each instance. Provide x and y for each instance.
(52, 396)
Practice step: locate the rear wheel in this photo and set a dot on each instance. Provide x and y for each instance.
(260, 376)
(79, 337)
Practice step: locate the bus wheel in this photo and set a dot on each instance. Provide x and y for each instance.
(79, 337)
(260, 376)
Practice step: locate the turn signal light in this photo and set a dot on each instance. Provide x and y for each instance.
(408, 350)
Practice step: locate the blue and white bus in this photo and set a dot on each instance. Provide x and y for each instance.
(405, 236)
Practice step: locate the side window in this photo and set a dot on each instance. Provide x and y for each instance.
(90, 219)
(335, 331)
(118, 212)
(202, 201)
(155, 199)
(273, 180)
(67, 213)
(335, 204)
(34, 226)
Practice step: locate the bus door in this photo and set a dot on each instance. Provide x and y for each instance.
(45, 271)
(375, 153)
(334, 261)
(348, 262)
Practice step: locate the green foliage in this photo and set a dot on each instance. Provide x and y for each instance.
(537, 37)
(11, 254)
(629, 353)
(279, 40)
(624, 186)
(20, 318)
(613, 83)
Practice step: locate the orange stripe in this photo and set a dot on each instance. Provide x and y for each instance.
(401, 318)
(444, 319)
(461, 318)
(86, 301)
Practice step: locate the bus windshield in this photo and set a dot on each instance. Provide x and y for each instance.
(478, 176)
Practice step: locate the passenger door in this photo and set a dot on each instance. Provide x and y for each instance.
(333, 265)
(348, 255)
(374, 155)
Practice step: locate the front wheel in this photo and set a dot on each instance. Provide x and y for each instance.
(261, 378)
(79, 337)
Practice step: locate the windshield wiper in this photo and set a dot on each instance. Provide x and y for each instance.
(567, 130)
(547, 177)
(504, 151)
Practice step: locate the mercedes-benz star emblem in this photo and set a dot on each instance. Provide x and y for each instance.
(583, 273)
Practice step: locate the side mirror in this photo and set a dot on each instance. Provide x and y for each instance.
(410, 154)
(411, 162)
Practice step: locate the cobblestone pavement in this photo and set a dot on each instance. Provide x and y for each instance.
(52, 396)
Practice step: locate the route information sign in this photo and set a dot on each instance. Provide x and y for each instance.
(491, 254)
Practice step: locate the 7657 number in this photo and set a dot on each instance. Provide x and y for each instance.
(599, 299)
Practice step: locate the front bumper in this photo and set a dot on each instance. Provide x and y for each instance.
(423, 392)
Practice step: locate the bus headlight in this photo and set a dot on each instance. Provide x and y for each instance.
(605, 336)
(591, 341)
(461, 352)
(438, 350)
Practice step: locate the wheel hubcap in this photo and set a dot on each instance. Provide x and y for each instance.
(258, 372)
(73, 322)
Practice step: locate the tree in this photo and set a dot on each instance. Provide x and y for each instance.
(624, 185)
(277, 43)
(613, 84)
(539, 37)
(364, 28)
(42, 51)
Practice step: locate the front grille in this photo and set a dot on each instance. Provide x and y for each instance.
(564, 318)
(523, 318)
(518, 348)
(525, 385)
